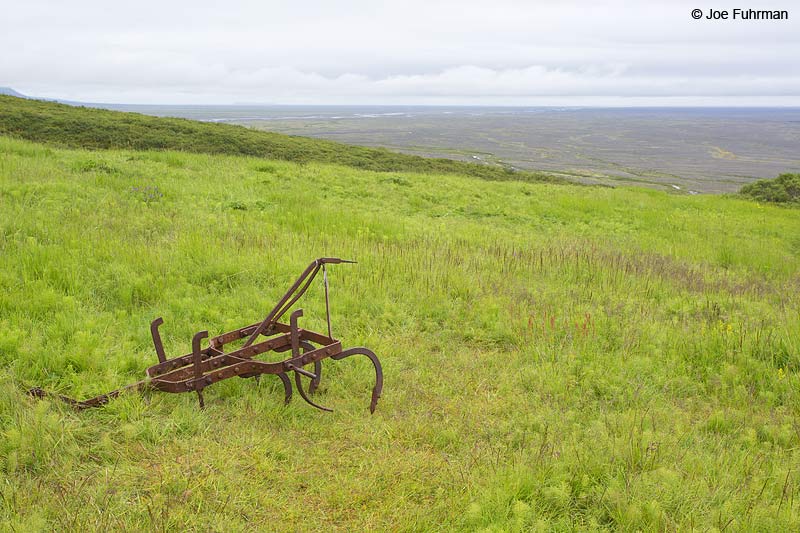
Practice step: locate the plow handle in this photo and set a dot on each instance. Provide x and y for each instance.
(294, 293)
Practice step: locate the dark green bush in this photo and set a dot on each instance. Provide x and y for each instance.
(784, 189)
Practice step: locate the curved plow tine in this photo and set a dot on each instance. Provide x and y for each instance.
(376, 391)
(299, 384)
(287, 387)
(312, 388)
(287, 383)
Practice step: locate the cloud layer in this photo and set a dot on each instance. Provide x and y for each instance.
(357, 52)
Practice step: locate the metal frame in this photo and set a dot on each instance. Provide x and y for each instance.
(205, 366)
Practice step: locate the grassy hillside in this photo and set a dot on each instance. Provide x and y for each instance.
(82, 127)
(556, 357)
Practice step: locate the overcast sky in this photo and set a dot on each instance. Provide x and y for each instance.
(497, 52)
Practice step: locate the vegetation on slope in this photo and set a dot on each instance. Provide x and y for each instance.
(89, 128)
(556, 357)
(785, 189)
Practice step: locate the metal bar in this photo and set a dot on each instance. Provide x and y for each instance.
(198, 370)
(313, 336)
(163, 369)
(305, 372)
(327, 304)
(273, 315)
(295, 332)
(278, 311)
(157, 339)
(97, 401)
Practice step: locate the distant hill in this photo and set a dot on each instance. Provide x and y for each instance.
(8, 91)
(83, 127)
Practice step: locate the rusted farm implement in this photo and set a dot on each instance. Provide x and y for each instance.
(206, 366)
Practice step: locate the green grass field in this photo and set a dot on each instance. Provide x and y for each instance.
(556, 357)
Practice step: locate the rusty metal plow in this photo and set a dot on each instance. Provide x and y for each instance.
(206, 366)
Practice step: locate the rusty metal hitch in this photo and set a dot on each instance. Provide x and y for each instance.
(205, 366)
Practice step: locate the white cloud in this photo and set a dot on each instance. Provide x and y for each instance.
(503, 52)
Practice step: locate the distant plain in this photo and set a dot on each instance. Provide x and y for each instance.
(706, 150)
